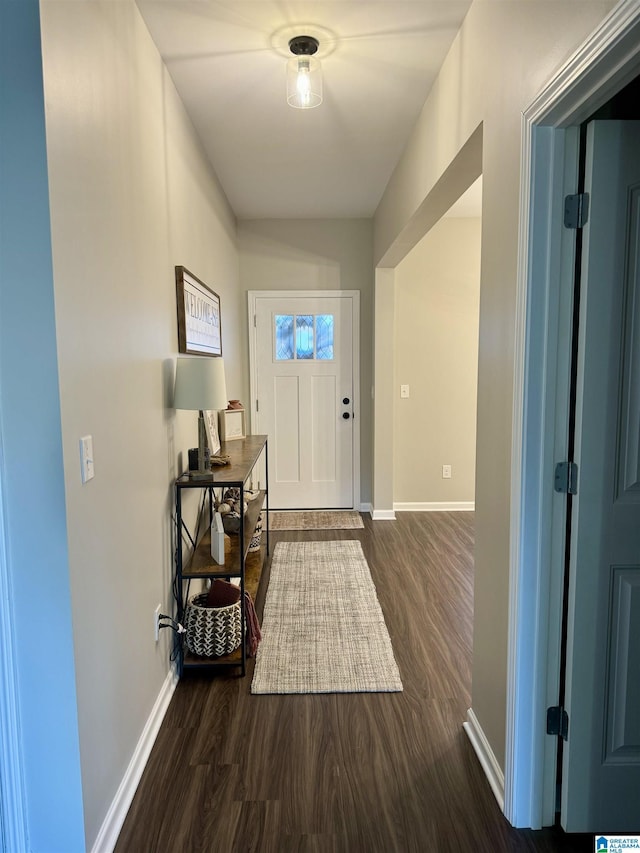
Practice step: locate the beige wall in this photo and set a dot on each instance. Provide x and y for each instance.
(312, 254)
(502, 57)
(437, 294)
(132, 195)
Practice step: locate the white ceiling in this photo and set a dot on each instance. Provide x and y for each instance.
(227, 59)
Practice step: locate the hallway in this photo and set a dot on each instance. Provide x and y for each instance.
(342, 773)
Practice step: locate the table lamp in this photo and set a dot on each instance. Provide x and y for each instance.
(200, 386)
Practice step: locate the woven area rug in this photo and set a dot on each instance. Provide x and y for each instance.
(316, 520)
(323, 629)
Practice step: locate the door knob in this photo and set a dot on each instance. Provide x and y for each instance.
(346, 416)
(346, 401)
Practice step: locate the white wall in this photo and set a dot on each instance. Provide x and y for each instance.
(312, 254)
(437, 293)
(502, 57)
(132, 195)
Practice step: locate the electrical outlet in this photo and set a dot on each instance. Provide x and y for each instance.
(446, 472)
(156, 622)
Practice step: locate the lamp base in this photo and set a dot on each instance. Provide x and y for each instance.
(203, 469)
(199, 457)
(201, 475)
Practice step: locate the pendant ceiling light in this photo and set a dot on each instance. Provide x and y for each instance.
(304, 75)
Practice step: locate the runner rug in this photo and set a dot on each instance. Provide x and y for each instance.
(316, 520)
(323, 629)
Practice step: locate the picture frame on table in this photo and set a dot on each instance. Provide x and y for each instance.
(199, 321)
(213, 435)
(232, 424)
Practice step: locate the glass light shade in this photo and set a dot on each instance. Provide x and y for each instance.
(200, 384)
(304, 82)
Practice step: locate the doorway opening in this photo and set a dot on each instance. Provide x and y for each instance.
(597, 686)
(465, 169)
(602, 67)
(437, 303)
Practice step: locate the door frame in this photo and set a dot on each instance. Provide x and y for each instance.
(354, 295)
(13, 820)
(606, 62)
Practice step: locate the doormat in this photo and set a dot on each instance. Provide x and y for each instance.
(323, 629)
(316, 520)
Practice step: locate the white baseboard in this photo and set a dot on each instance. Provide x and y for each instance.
(365, 508)
(383, 514)
(487, 759)
(434, 506)
(112, 824)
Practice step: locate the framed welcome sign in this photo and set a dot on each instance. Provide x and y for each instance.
(199, 329)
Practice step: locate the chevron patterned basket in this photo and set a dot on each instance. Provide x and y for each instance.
(212, 631)
(254, 544)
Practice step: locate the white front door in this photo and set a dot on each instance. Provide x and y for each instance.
(304, 398)
(601, 758)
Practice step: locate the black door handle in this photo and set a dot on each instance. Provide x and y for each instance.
(346, 401)
(346, 416)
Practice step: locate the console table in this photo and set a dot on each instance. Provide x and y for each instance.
(239, 561)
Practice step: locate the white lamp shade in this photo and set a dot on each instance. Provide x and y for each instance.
(200, 384)
(304, 82)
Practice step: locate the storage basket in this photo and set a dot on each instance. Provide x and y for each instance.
(254, 544)
(212, 631)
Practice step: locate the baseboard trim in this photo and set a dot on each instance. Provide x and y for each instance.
(112, 824)
(436, 506)
(487, 759)
(364, 507)
(383, 514)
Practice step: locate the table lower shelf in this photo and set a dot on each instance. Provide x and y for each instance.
(254, 561)
(254, 564)
(191, 661)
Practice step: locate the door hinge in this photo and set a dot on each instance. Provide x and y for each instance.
(257, 406)
(566, 479)
(557, 722)
(576, 210)
(255, 322)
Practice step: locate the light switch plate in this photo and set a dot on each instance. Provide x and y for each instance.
(404, 391)
(86, 458)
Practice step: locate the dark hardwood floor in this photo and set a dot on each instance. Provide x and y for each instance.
(342, 773)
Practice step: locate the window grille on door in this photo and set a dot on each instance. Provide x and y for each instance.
(307, 337)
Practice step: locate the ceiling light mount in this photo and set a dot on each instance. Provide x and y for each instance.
(304, 75)
(303, 45)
